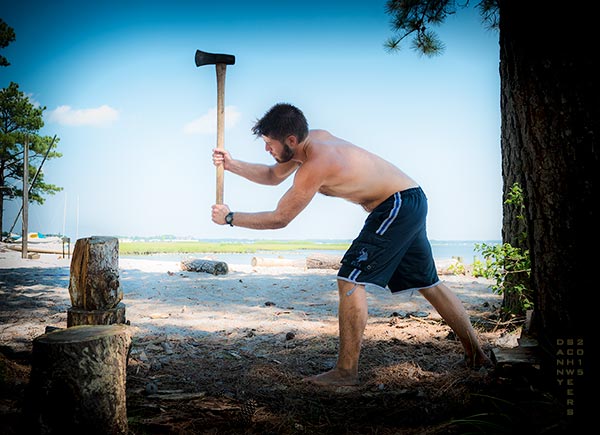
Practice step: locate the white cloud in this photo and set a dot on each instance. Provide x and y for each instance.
(35, 103)
(207, 123)
(98, 116)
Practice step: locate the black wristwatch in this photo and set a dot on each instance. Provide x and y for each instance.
(229, 218)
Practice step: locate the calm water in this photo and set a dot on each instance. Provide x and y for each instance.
(442, 250)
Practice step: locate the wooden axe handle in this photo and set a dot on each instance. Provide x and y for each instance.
(221, 68)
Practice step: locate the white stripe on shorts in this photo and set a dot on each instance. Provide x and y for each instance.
(354, 275)
(393, 214)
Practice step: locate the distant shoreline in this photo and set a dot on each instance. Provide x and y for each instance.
(464, 250)
(225, 247)
(442, 249)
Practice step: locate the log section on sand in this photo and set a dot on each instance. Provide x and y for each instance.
(78, 381)
(208, 266)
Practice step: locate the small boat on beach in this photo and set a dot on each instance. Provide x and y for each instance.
(34, 238)
(39, 243)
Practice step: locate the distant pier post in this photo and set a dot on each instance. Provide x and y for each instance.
(25, 217)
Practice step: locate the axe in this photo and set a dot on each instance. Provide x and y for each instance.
(220, 61)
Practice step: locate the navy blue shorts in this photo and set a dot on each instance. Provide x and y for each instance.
(392, 250)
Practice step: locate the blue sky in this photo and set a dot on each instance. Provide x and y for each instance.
(135, 116)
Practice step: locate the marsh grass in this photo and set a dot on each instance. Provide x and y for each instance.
(189, 247)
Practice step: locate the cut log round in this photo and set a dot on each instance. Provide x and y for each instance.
(77, 316)
(208, 266)
(323, 261)
(94, 282)
(78, 381)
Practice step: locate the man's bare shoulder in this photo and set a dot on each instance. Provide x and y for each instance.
(324, 137)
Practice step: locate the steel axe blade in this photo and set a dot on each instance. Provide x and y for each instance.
(204, 58)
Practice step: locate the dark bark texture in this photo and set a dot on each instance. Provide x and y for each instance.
(78, 381)
(549, 135)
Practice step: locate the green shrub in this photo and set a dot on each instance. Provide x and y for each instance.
(507, 265)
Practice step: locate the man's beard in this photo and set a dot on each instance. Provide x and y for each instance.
(286, 155)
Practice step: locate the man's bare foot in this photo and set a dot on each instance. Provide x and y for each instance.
(334, 377)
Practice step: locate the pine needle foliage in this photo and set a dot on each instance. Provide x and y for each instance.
(415, 18)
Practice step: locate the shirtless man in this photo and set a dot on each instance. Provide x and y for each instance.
(392, 250)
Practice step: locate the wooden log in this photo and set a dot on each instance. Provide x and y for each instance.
(515, 357)
(78, 381)
(323, 261)
(276, 262)
(36, 249)
(208, 266)
(77, 316)
(94, 282)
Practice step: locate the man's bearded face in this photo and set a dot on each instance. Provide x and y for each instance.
(286, 154)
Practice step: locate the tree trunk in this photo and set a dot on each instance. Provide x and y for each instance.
(94, 283)
(77, 316)
(549, 133)
(1, 210)
(549, 145)
(78, 381)
(208, 266)
(2, 193)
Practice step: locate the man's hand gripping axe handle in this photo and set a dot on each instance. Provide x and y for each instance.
(220, 61)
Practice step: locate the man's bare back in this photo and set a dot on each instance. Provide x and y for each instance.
(350, 172)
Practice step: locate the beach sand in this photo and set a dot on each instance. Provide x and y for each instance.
(254, 333)
(160, 298)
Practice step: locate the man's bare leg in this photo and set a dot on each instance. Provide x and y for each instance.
(449, 306)
(352, 315)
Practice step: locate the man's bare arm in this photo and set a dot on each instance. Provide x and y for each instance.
(256, 172)
(289, 206)
(271, 175)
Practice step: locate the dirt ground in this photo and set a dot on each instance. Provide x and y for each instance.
(227, 354)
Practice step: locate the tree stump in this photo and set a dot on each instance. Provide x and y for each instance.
(78, 381)
(77, 316)
(94, 284)
(208, 266)
(323, 261)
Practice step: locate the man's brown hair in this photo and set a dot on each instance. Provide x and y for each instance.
(281, 121)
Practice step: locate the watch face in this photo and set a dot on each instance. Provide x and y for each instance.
(228, 218)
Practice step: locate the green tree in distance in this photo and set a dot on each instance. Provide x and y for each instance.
(20, 122)
(7, 35)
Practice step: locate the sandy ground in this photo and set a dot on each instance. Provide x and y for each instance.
(251, 335)
(160, 298)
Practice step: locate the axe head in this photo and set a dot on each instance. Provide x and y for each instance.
(203, 58)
